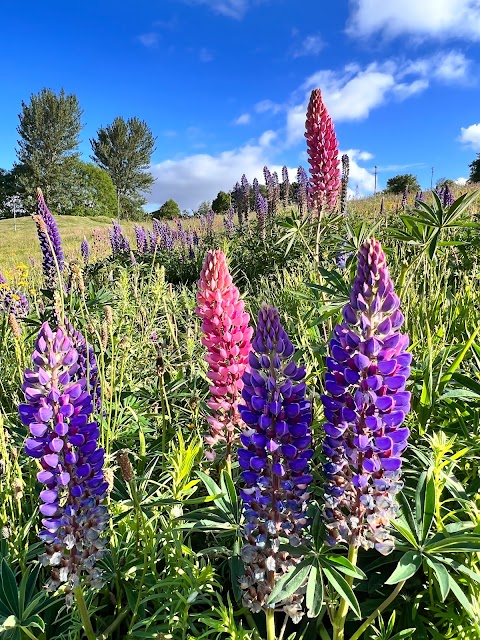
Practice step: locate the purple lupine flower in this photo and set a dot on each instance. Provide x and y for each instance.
(419, 197)
(118, 240)
(285, 186)
(64, 440)
(261, 208)
(53, 261)
(152, 240)
(270, 186)
(237, 196)
(245, 197)
(85, 250)
(209, 222)
(447, 197)
(274, 457)
(12, 301)
(273, 208)
(228, 221)
(141, 238)
(87, 366)
(255, 187)
(302, 193)
(404, 198)
(365, 406)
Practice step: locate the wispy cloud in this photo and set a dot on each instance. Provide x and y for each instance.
(244, 118)
(205, 55)
(308, 46)
(149, 40)
(230, 8)
(439, 19)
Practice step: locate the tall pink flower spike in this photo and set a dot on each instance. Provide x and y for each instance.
(228, 340)
(322, 148)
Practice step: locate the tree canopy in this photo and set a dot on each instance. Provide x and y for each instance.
(124, 150)
(49, 130)
(221, 202)
(475, 170)
(400, 183)
(168, 211)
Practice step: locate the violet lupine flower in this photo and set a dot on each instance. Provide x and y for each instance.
(256, 188)
(141, 238)
(404, 198)
(118, 240)
(447, 197)
(275, 200)
(152, 241)
(12, 301)
(322, 149)
(53, 259)
(85, 250)
(64, 439)
(344, 190)
(237, 197)
(227, 338)
(261, 208)
(366, 404)
(245, 196)
(302, 193)
(275, 461)
(228, 221)
(87, 366)
(285, 186)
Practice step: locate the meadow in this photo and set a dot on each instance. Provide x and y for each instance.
(228, 433)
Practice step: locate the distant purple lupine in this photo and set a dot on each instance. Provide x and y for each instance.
(302, 193)
(64, 439)
(245, 197)
(118, 240)
(228, 221)
(447, 199)
(141, 238)
(365, 405)
(285, 186)
(261, 208)
(53, 260)
(85, 250)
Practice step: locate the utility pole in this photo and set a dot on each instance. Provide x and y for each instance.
(376, 170)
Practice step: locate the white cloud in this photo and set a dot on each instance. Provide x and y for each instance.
(461, 181)
(149, 40)
(309, 46)
(419, 18)
(265, 106)
(230, 8)
(245, 118)
(471, 136)
(361, 180)
(201, 176)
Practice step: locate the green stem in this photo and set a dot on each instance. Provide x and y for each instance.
(83, 611)
(109, 630)
(378, 611)
(341, 617)
(270, 617)
(28, 633)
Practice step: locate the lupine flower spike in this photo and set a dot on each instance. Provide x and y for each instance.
(275, 461)
(365, 406)
(50, 242)
(227, 338)
(63, 438)
(322, 149)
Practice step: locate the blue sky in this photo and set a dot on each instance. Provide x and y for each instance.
(224, 84)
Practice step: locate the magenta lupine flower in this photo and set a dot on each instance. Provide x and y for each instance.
(53, 259)
(365, 407)
(64, 439)
(322, 149)
(227, 338)
(275, 461)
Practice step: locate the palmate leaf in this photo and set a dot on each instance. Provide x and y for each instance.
(290, 582)
(314, 593)
(341, 586)
(441, 574)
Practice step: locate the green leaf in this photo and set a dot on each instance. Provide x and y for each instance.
(442, 577)
(461, 597)
(428, 506)
(402, 635)
(343, 589)
(314, 595)
(290, 582)
(466, 543)
(407, 567)
(9, 588)
(342, 564)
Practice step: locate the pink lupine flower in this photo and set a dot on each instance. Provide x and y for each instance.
(322, 148)
(228, 341)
